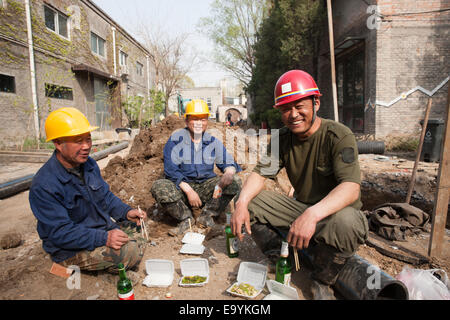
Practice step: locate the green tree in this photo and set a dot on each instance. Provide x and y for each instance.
(289, 38)
(232, 26)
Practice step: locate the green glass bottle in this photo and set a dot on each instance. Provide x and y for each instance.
(232, 240)
(283, 268)
(124, 285)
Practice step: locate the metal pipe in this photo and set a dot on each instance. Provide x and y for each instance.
(32, 69)
(15, 186)
(104, 153)
(360, 280)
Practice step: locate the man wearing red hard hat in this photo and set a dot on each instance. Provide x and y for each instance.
(323, 218)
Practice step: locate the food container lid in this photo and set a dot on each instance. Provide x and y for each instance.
(159, 273)
(279, 291)
(252, 273)
(190, 248)
(193, 238)
(194, 267)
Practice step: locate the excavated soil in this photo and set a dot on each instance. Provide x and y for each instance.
(25, 267)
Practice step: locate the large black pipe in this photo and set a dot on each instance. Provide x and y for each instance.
(17, 185)
(360, 280)
(373, 147)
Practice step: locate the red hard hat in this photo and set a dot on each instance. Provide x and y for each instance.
(294, 85)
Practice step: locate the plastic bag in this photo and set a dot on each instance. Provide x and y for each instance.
(424, 285)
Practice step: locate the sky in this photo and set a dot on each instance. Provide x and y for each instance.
(175, 17)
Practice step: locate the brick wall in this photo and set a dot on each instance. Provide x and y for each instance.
(412, 50)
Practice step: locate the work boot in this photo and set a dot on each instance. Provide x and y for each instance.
(206, 219)
(212, 207)
(328, 263)
(178, 210)
(216, 206)
(268, 241)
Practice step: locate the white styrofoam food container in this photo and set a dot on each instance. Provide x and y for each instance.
(189, 248)
(194, 267)
(159, 273)
(251, 273)
(193, 243)
(193, 238)
(279, 291)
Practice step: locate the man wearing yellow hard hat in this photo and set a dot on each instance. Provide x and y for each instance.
(190, 182)
(74, 206)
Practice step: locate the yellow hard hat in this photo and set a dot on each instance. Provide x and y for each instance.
(196, 107)
(66, 122)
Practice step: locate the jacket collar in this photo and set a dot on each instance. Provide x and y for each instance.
(206, 138)
(61, 172)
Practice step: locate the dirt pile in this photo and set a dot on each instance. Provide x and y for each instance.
(132, 177)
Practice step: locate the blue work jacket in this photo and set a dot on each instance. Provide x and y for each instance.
(182, 162)
(73, 216)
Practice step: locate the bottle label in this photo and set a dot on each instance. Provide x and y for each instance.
(127, 296)
(234, 245)
(287, 279)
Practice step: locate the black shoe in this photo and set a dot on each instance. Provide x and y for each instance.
(206, 220)
(212, 208)
(181, 228)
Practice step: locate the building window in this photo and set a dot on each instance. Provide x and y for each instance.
(122, 58)
(350, 85)
(58, 92)
(55, 21)
(139, 68)
(208, 102)
(97, 44)
(7, 84)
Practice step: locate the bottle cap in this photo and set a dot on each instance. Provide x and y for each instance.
(284, 249)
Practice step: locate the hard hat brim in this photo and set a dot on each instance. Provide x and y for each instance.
(73, 133)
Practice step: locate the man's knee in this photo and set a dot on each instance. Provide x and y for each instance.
(165, 191)
(345, 230)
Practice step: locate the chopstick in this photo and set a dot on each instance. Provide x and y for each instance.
(143, 227)
(297, 264)
(190, 226)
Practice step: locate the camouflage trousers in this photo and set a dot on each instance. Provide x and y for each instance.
(107, 259)
(165, 193)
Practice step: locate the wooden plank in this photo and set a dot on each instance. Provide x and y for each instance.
(419, 151)
(439, 217)
(333, 67)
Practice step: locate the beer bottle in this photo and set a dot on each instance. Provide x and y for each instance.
(232, 241)
(283, 268)
(124, 285)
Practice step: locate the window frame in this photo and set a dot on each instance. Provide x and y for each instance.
(14, 90)
(56, 21)
(57, 88)
(345, 108)
(125, 55)
(97, 45)
(139, 69)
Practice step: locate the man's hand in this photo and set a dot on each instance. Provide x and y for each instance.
(302, 230)
(194, 199)
(116, 239)
(136, 216)
(240, 217)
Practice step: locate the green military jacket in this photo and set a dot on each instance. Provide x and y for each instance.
(317, 165)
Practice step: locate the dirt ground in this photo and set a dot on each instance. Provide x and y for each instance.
(130, 174)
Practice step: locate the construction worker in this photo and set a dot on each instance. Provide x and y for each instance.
(74, 206)
(323, 218)
(190, 181)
